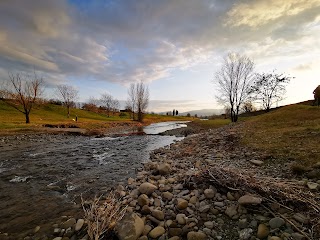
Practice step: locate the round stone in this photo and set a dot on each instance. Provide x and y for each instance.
(157, 232)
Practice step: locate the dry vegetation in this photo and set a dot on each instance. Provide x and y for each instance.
(102, 215)
(291, 133)
(291, 195)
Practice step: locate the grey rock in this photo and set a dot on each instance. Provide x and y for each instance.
(313, 185)
(243, 223)
(297, 236)
(249, 199)
(256, 162)
(167, 195)
(209, 224)
(231, 211)
(204, 208)
(218, 204)
(301, 218)
(245, 234)
(130, 227)
(79, 224)
(181, 218)
(164, 169)
(276, 222)
(209, 193)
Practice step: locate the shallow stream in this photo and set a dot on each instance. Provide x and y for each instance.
(43, 176)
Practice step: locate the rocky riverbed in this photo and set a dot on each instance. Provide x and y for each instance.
(170, 199)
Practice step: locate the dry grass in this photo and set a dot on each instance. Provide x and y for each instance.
(102, 215)
(291, 195)
(289, 133)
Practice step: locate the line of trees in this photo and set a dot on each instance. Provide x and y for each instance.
(238, 85)
(23, 91)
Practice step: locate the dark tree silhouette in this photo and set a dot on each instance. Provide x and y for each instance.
(234, 81)
(316, 94)
(269, 88)
(177, 112)
(23, 92)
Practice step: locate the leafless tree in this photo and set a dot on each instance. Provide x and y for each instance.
(131, 101)
(234, 81)
(269, 88)
(106, 101)
(138, 99)
(142, 99)
(68, 95)
(115, 106)
(22, 92)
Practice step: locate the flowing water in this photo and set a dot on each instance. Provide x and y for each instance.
(43, 176)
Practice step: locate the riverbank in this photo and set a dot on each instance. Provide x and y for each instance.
(209, 186)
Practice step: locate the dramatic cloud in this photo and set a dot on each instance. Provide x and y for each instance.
(128, 41)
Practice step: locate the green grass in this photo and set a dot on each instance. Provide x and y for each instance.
(289, 133)
(11, 119)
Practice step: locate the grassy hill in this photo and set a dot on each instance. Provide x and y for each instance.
(11, 119)
(290, 133)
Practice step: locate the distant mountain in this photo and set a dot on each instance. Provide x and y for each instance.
(203, 112)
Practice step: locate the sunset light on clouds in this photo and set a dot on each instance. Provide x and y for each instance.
(175, 46)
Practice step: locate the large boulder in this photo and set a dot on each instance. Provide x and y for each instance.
(147, 188)
(130, 227)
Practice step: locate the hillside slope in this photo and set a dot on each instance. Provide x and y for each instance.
(289, 134)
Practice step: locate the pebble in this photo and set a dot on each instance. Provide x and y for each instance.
(158, 214)
(147, 188)
(182, 204)
(181, 218)
(209, 225)
(231, 211)
(249, 199)
(196, 236)
(143, 200)
(245, 234)
(276, 222)
(79, 224)
(204, 209)
(301, 218)
(209, 193)
(69, 223)
(263, 231)
(167, 195)
(157, 232)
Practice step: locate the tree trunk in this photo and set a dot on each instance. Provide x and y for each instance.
(27, 118)
(68, 111)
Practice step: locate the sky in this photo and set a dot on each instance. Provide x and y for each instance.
(173, 46)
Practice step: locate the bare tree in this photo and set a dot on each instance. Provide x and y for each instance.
(234, 82)
(142, 99)
(115, 105)
(22, 92)
(131, 101)
(106, 101)
(68, 95)
(270, 88)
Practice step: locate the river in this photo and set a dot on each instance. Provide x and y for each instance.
(43, 176)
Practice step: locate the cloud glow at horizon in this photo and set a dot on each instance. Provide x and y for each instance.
(174, 46)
